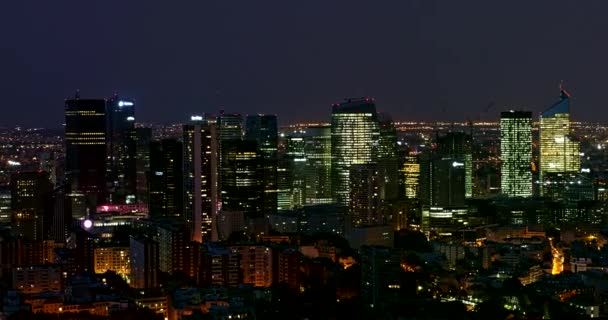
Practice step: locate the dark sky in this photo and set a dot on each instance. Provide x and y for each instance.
(421, 59)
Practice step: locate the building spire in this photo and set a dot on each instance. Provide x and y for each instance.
(563, 93)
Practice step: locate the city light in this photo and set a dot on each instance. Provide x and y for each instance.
(125, 103)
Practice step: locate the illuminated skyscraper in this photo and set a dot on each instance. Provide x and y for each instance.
(559, 151)
(317, 150)
(166, 178)
(240, 171)
(200, 177)
(516, 153)
(291, 171)
(262, 128)
(85, 163)
(121, 144)
(411, 173)
(31, 202)
(354, 140)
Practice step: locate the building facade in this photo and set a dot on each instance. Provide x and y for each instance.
(166, 178)
(354, 140)
(559, 150)
(516, 153)
(85, 163)
(201, 178)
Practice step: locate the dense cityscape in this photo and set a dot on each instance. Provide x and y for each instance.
(233, 216)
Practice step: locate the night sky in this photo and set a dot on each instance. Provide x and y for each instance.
(420, 59)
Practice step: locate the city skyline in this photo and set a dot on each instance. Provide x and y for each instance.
(418, 159)
(416, 58)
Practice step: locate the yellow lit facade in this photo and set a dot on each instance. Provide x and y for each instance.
(559, 152)
(354, 139)
(113, 259)
(411, 172)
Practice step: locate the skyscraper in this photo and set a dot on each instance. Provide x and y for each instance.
(143, 263)
(121, 144)
(200, 177)
(230, 126)
(262, 128)
(354, 140)
(411, 172)
(85, 167)
(317, 150)
(142, 163)
(559, 151)
(442, 181)
(292, 172)
(458, 146)
(367, 187)
(388, 158)
(516, 153)
(240, 169)
(31, 201)
(166, 178)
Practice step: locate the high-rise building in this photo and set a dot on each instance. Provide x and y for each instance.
(121, 150)
(143, 263)
(166, 178)
(411, 179)
(442, 181)
(516, 153)
(388, 157)
(458, 146)
(262, 128)
(241, 186)
(559, 151)
(85, 163)
(5, 204)
(367, 187)
(291, 172)
(31, 202)
(142, 163)
(59, 216)
(201, 178)
(354, 140)
(317, 149)
(230, 126)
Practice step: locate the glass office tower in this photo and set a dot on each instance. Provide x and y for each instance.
(263, 129)
(388, 158)
(516, 153)
(458, 145)
(240, 173)
(559, 151)
(354, 140)
(122, 150)
(85, 163)
(317, 150)
(166, 178)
